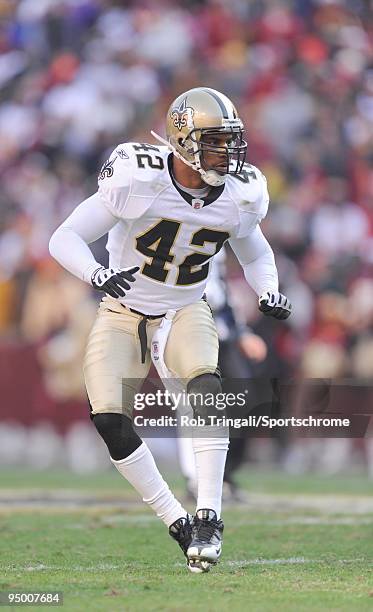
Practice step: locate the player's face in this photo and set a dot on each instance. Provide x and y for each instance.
(215, 151)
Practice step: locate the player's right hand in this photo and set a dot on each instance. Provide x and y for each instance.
(114, 281)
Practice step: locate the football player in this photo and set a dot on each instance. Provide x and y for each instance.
(168, 210)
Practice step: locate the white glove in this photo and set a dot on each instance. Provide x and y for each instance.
(275, 305)
(114, 281)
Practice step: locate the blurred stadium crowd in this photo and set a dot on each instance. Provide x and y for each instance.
(79, 76)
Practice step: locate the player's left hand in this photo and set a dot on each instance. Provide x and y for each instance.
(275, 305)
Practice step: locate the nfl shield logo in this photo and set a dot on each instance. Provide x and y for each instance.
(155, 350)
(197, 204)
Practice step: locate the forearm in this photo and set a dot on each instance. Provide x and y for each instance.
(70, 250)
(261, 274)
(69, 243)
(257, 260)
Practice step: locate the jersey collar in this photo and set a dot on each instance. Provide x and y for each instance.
(214, 193)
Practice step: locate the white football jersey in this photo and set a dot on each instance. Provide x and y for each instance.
(169, 234)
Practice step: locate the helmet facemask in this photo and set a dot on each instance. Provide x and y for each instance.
(231, 155)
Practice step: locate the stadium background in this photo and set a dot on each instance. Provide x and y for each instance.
(78, 77)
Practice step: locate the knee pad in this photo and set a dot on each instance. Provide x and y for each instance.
(202, 391)
(118, 434)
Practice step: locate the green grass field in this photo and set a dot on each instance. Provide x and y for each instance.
(303, 543)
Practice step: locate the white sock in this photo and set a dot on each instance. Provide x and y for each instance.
(186, 458)
(210, 455)
(140, 470)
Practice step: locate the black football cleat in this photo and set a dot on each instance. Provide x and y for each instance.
(205, 547)
(181, 531)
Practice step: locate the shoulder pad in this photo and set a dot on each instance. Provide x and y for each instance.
(249, 190)
(117, 170)
(131, 168)
(136, 160)
(149, 161)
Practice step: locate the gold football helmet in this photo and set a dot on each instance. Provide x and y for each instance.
(193, 120)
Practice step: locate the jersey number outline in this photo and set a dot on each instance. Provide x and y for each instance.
(246, 173)
(157, 242)
(148, 159)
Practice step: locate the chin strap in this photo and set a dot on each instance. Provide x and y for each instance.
(211, 177)
(163, 141)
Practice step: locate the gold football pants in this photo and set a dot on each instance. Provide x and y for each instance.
(113, 370)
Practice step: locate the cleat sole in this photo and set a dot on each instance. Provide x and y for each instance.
(198, 566)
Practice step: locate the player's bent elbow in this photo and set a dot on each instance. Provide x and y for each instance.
(54, 242)
(57, 243)
(51, 245)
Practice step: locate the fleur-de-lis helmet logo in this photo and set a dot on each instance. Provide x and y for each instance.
(181, 114)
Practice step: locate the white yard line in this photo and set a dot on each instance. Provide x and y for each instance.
(103, 567)
(289, 561)
(283, 561)
(107, 567)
